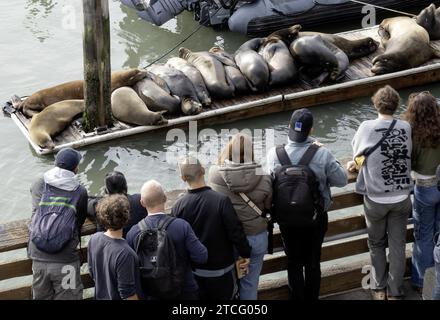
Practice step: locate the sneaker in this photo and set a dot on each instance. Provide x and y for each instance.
(378, 294)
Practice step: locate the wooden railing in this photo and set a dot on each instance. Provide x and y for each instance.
(273, 284)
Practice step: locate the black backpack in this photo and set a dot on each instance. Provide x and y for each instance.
(161, 276)
(296, 197)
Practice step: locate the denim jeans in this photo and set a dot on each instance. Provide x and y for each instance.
(249, 283)
(426, 225)
(436, 293)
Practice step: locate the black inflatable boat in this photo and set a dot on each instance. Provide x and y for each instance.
(259, 17)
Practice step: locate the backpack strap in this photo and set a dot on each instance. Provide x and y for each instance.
(377, 145)
(282, 155)
(165, 222)
(143, 225)
(308, 155)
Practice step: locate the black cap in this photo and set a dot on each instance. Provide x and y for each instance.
(67, 158)
(115, 182)
(300, 125)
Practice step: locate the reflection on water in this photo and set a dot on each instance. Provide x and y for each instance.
(38, 10)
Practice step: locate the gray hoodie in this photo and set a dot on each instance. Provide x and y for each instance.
(233, 178)
(65, 180)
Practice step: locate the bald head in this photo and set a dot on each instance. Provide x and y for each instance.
(153, 196)
(191, 169)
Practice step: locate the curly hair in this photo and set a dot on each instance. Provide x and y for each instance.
(423, 114)
(113, 211)
(386, 100)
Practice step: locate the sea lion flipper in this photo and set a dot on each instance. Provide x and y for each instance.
(16, 102)
(435, 49)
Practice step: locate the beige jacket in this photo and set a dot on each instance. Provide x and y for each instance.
(233, 178)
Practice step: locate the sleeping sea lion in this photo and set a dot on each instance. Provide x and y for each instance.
(429, 18)
(406, 46)
(52, 120)
(252, 65)
(156, 95)
(319, 58)
(74, 90)
(233, 74)
(212, 71)
(180, 86)
(194, 75)
(281, 63)
(128, 107)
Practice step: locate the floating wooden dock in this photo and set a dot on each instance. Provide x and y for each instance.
(358, 82)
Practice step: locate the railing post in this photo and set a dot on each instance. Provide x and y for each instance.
(97, 70)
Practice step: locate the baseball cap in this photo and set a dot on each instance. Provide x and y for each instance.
(300, 125)
(67, 158)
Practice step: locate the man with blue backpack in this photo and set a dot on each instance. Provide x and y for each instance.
(303, 173)
(59, 208)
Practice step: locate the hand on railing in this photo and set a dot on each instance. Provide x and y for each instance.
(351, 166)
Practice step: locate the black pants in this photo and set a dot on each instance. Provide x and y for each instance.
(303, 249)
(219, 288)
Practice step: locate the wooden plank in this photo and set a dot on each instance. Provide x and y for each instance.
(331, 282)
(346, 200)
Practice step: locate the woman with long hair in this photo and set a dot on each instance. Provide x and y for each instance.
(241, 179)
(423, 114)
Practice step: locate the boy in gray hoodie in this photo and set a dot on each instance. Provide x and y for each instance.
(385, 181)
(56, 276)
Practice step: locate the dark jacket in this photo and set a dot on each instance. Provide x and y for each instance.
(188, 248)
(137, 212)
(215, 223)
(65, 180)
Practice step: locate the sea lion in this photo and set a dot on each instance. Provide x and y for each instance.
(212, 71)
(252, 65)
(429, 18)
(233, 74)
(319, 57)
(406, 46)
(128, 107)
(194, 75)
(156, 95)
(281, 63)
(180, 86)
(52, 120)
(74, 90)
(352, 48)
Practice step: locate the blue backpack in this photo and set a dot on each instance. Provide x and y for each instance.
(54, 224)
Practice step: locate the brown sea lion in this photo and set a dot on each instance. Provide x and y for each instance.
(406, 46)
(252, 65)
(319, 59)
(74, 90)
(352, 48)
(212, 71)
(128, 107)
(429, 18)
(52, 120)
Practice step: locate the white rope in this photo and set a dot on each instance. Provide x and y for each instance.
(383, 8)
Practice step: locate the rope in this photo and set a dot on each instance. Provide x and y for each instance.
(384, 8)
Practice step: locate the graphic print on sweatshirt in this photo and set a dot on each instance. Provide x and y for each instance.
(394, 149)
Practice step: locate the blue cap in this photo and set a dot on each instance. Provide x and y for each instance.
(67, 158)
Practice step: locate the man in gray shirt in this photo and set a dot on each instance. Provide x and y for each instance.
(385, 181)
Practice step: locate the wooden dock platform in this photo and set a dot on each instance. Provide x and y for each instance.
(358, 82)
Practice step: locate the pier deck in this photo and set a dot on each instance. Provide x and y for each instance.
(358, 82)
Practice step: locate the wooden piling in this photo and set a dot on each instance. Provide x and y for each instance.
(97, 70)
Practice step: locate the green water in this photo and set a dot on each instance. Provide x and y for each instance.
(38, 51)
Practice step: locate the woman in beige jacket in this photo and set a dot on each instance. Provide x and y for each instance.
(235, 174)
